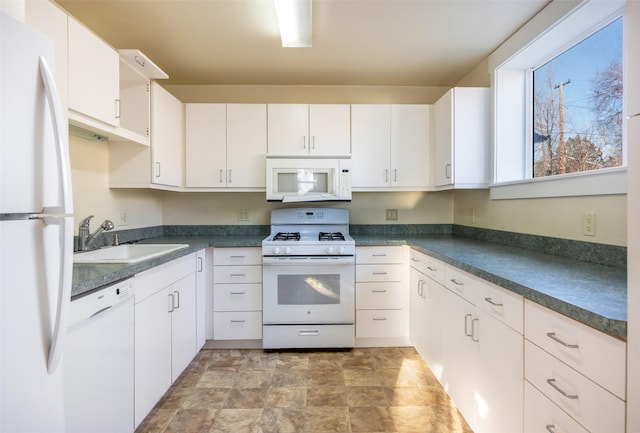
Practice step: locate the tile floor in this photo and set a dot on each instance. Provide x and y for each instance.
(254, 391)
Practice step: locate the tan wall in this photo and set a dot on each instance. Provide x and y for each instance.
(555, 217)
(92, 196)
(365, 208)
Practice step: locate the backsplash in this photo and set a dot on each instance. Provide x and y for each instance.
(608, 255)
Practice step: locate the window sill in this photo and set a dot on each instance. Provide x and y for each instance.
(603, 182)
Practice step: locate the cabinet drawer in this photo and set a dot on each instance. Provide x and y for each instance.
(506, 306)
(429, 266)
(237, 274)
(379, 323)
(237, 325)
(591, 405)
(237, 297)
(237, 256)
(376, 296)
(372, 255)
(460, 283)
(366, 273)
(593, 353)
(540, 414)
(157, 278)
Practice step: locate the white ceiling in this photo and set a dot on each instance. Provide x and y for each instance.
(355, 42)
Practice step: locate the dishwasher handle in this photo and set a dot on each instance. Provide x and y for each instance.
(100, 311)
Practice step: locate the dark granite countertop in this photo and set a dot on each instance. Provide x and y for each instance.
(590, 293)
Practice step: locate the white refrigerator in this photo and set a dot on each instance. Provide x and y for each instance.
(36, 233)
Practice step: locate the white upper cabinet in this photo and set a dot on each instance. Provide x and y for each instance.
(94, 71)
(166, 137)
(309, 130)
(390, 147)
(371, 145)
(225, 145)
(410, 136)
(205, 145)
(461, 138)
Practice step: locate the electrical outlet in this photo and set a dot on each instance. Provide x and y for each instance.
(243, 215)
(589, 224)
(392, 214)
(123, 217)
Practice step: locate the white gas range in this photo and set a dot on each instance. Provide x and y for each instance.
(308, 279)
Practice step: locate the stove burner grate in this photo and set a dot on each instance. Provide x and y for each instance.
(330, 236)
(283, 236)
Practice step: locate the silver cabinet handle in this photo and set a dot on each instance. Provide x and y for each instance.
(220, 176)
(118, 113)
(421, 288)
(395, 174)
(138, 61)
(379, 255)
(237, 275)
(379, 319)
(473, 330)
(551, 428)
(379, 291)
(447, 171)
(432, 269)
(200, 266)
(171, 300)
(386, 175)
(413, 259)
(466, 326)
(237, 321)
(229, 175)
(380, 273)
(456, 282)
(304, 142)
(237, 293)
(552, 382)
(492, 302)
(236, 257)
(308, 332)
(177, 298)
(313, 142)
(552, 335)
(633, 115)
(157, 168)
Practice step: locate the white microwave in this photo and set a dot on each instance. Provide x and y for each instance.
(299, 179)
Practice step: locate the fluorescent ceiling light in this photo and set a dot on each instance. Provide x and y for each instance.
(294, 20)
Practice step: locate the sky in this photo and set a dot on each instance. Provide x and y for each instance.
(580, 65)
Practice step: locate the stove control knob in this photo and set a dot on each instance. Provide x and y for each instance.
(330, 250)
(340, 250)
(287, 250)
(276, 250)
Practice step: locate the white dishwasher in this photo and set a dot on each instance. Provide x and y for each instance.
(98, 359)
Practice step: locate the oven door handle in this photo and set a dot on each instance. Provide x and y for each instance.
(319, 260)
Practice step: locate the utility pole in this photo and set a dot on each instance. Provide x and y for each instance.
(562, 154)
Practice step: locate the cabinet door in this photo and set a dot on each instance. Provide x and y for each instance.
(166, 137)
(288, 129)
(202, 269)
(434, 313)
(183, 324)
(152, 352)
(94, 70)
(471, 107)
(370, 146)
(417, 313)
(246, 145)
(443, 140)
(410, 152)
(205, 145)
(500, 377)
(461, 354)
(330, 129)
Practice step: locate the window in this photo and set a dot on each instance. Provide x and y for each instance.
(577, 107)
(526, 73)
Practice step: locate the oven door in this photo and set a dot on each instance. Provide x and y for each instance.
(308, 290)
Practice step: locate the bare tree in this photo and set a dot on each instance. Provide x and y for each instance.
(606, 100)
(545, 117)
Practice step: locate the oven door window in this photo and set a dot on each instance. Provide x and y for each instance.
(323, 289)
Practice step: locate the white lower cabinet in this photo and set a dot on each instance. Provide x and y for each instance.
(542, 414)
(577, 369)
(381, 297)
(165, 329)
(237, 294)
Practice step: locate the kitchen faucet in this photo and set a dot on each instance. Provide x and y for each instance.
(84, 236)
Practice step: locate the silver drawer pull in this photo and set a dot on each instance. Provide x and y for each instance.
(551, 428)
(379, 255)
(237, 321)
(379, 319)
(238, 275)
(308, 332)
(237, 293)
(492, 302)
(413, 259)
(379, 291)
(552, 335)
(456, 282)
(432, 269)
(379, 273)
(236, 257)
(552, 382)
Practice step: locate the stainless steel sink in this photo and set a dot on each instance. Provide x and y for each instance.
(128, 253)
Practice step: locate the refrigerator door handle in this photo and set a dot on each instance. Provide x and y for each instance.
(64, 208)
(61, 140)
